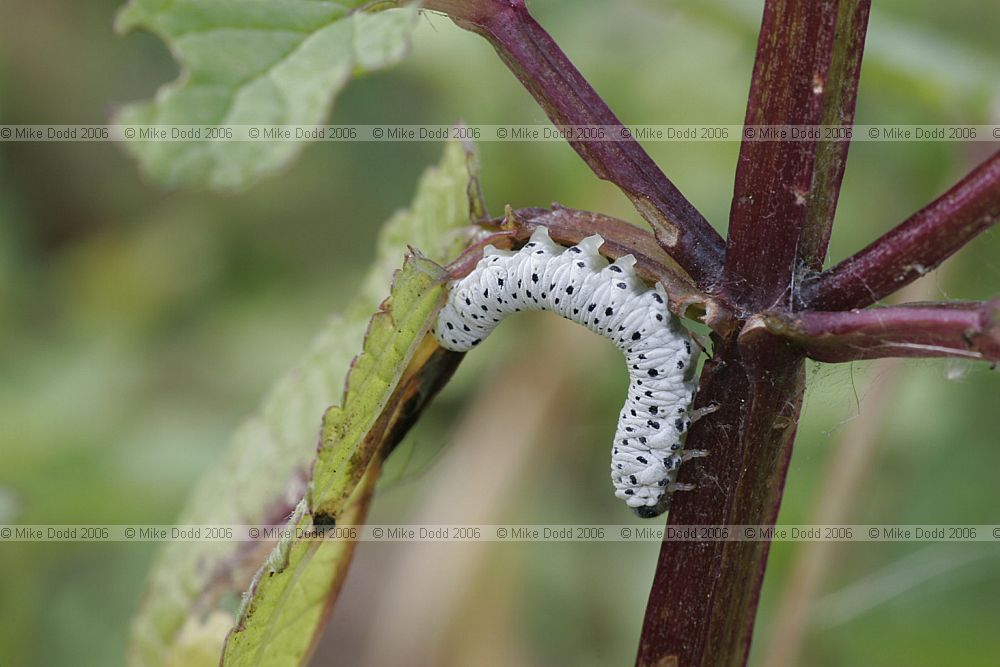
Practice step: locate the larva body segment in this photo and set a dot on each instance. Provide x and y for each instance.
(608, 299)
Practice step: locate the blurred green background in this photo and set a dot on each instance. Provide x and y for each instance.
(138, 326)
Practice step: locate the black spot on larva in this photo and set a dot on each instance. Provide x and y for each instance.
(621, 286)
(477, 341)
(653, 424)
(632, 412)
(629, 429)
(679, 425)
(636, 336)
(642, 356)
(484, 308)
(514, 296)
(486, 293)
(614, 450)
(528, 292)
(534, 277)
(569, 289)
(530, 245)
(652, 372)
(539, 252)
(663, 482)
(450, 326)
(642, 439)
(680, 411)
(591, 307)
(576, 311)
(474, 316)
(659, 318)
(687, 346)
(680, 363)
(468, 301)
(629, 492)
(615, 268)
(632, 478)
(619, 466)
(581, 264)
(556, 299)
(466, 327)
(500, 282)
(544, 294)
(653, 409)
(575, 249)
(657, 298)
(640, 459)
(675, 447)
(639, 382)
(649, 394)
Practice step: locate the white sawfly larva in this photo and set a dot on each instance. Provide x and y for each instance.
(608, 299)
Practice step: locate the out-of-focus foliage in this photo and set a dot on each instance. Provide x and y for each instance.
(271, 61)
(139, 328)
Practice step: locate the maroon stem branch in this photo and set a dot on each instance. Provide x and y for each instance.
(914, 247)
(968, 330)
(806, 73)
(703, 601)
(704, 596)
(568, 99)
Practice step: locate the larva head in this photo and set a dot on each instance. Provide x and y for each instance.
(653, 511)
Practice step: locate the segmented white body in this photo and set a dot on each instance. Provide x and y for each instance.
(611, 300)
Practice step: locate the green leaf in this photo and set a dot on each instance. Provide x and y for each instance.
(393, 336)
(262, 475)
(284, 612)
(253, 62)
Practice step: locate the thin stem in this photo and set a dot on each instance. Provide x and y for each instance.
(568, 99)
(806, 73)
(967, 330)
(569, 226)
(914, 247)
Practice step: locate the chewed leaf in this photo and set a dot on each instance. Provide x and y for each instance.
(262, 475)
(286, 603)
(399, 370)
(393, 336)
(275, 62)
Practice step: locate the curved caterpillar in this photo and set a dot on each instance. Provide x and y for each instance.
(611, 300)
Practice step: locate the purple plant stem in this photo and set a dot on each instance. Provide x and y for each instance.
(914, 247)
(806, 73)
(703, 601)
(568, 99)
(704, 595)
(969, 330)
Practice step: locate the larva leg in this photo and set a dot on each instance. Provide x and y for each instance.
(704, 411)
